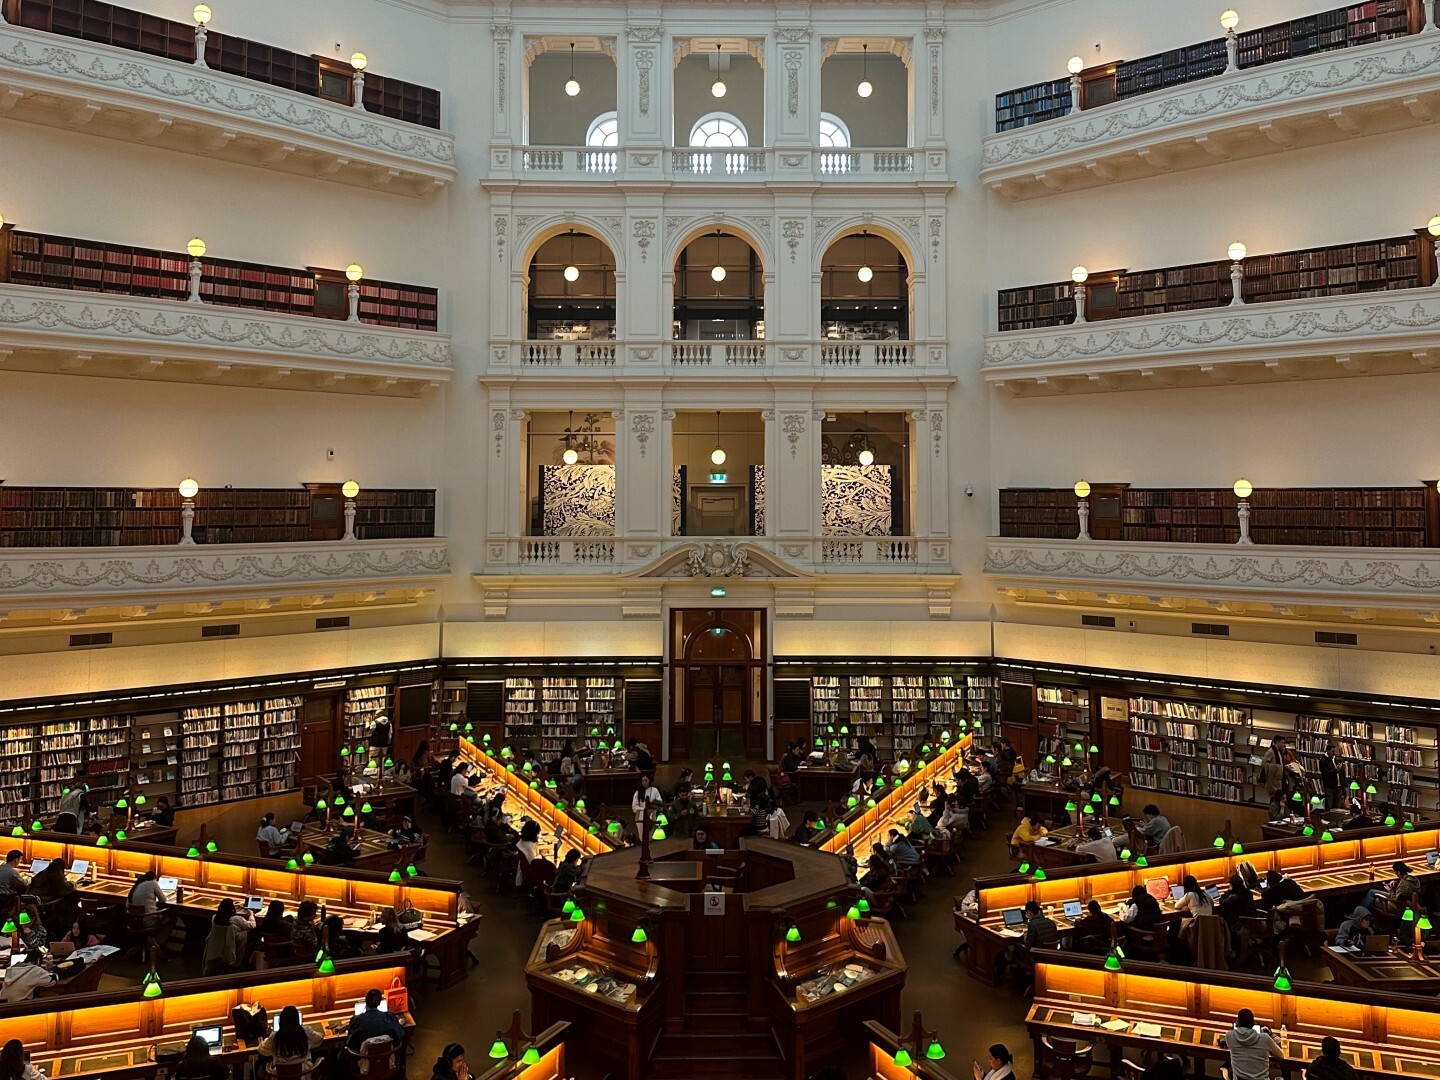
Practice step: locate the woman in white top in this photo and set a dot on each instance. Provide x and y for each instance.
(1000, 1061)
(1194, 900)
(647, 792)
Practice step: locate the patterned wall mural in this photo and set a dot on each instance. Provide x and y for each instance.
(577, 500)
(857, 500)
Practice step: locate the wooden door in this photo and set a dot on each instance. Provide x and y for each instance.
(1107, 511)
(319, 740)
(1111, 721)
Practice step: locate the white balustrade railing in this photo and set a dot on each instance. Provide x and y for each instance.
(681, 162)
(839, 163)
(826, 554)
(605, 162)
(543, 160)
(848, 357)
(893, 161)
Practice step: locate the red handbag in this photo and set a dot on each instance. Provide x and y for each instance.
(397, 997)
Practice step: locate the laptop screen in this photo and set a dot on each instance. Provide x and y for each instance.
(297, 826)
(1073, 909)
(360, 1006)
(211, 1035)
(1213, 891)
(1432, 859)
(1177, 891)
(252, 903)
(168, 884)
(275, 1021)
(80, 867)
(1013, 917)
(38, 865)
(18, 958)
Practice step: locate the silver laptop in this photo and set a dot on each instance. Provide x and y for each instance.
(212, 1037)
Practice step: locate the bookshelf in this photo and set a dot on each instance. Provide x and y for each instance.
(909, 703)
(64, 262)
(600, 720)
(280, 743)
(1336, 28)
(17, 772)
(119, 517)
(240, 750)
(199, 752)
(447, 708)
(253, 60)
(863, 705)
(1190, 748)
(107, 757)
(521, 711)
(155, 756)
(62, 755)
(1063, 718)
(1304, 517)
(1399, 760)
(1028, 105)
(362, 705)
(559, 713)
(1397, 262)
(982, 704)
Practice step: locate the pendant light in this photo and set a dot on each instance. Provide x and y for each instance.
(865, 89)
(867, 454)
(717, 272)
(717, 456)
(572, 86)
(864, 273)
(570, 457)
(572, 272)
(717, 88)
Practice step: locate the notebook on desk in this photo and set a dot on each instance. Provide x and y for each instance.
(1147, 1031)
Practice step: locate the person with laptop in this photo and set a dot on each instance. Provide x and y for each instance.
(51, 883)
(1193, 900)
(12, 881)
(1397, 895)
(1097, 847)
(1153, 824)
(1251, 1048)
(164, 814)
(79, 935)
(199, 1061)
(1091, 931)
(271, 837)
(374, 1023)
(1354, 930)
(292, 1042)
(226, 947)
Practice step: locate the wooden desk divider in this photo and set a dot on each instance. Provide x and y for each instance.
(549, 1044)
(1382, 1034)
(572, 832)
(239, 875)
(121, 1022)
(894, 804)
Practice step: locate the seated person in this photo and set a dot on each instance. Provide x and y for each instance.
(966, 786)
(51, 883)
(1251, 1048)
(33, 937)
(955, 818)
(901, 850)
(407, 832)
(568, 872)
(703, 842)
(340, 851)
(197, 1063)
(1040, 933)
(920, 827)
(1096, 846)
(400, 772)
(305, 928)
(1354, 930)
(878, 872)
(1093, 930)
(1153, 825)
(1280, 889)
(336, 941)
(271, 837)
(1194, 901)
(1028, 831)
(806, 831)
(1143, 911)
(80, 936)
(1360, 818)
(1396, 895)
(227, 945)
(372, 1023)
(292, 1042)
(1329, 1065)
(11, 879)
(163, 814)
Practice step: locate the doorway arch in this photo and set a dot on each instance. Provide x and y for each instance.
(718, 707)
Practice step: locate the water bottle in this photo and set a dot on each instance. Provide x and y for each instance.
(1284, 1041)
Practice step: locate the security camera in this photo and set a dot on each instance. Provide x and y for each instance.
(970, 490)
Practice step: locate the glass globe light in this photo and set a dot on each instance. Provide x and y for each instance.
(717, 273)
(1075, 65)
(1229, 18)
(718, 88)
(865, 273)
(867, 456)
(572, 87)
(572, 273)
(1082, 489)
(359, 61)
(570, 457)
(865, 89)
(1079, 275)
(350, 489)
(717, 456)
(1434, 225)
(354, 271)
(201, 14)
(1243, 488)
(189, 488)
(1237, 252)
(196, 248)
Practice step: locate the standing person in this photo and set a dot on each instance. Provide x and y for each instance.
(1272, 770)
(569, 769)
(1251, 1049)
(380, 733)
(1000, 1064)
(1330, 776)
(646, 795)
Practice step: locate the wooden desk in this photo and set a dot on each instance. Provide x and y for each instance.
(1346, 866)
(375, 850)
(353, 894)
(573, 831)
(1383, 1035)
(896, 802)
(141, 831)
(725, 828)
(113, 1033)
(1396, 971)
(387, 802)
(1059, 854)
(824, 785)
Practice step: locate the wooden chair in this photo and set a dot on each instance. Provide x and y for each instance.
(1149, 945)
(1064, 1059)
(940, 854)
(294, 1070)
(147, 931)
(375, 1060)
(886, 902)
(276, 951)
(103, 917)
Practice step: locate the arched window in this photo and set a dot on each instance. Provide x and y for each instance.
(718, 130)
(604, 130)
(833, 132)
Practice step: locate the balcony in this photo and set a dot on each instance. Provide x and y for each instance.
(1329, 97)
(69, 83)
(698, 360)
(688, 556)
(1227, 577)
(210, 574)
(1325, 337)
(757, 166)
(127, 336)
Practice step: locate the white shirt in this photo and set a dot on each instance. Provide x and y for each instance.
(147, 895)
(272, 836)
(1004, 1072)
(1195, 904)
(639, 799)
(1103, 850)
(459, 782)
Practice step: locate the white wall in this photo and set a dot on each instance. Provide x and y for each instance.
(556, 119)
(744, 95)
(882, 119)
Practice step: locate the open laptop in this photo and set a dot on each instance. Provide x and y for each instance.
(1213, 891)
(80, 867)
(61, 949)
(211, 1035)
(18, 958)
(253, 903)
(168, 885)
(1432, 859)
(1013, 917)
(297, 827)
(38, 865)
(275, 1021)
(1375, 944)
(1073, 909)
(360, 1006)
(1177, 892)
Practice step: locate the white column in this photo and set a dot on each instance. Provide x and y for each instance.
(639, 462)
(930, 90)
(932, 462)
(792, 86)
(647, 314)
(792, 493)
(506, 100)
(645, 77)
(504, 497)
(792, 307)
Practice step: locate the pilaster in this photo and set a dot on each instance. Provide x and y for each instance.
(792, 99)
(792, 489)
(642, 480)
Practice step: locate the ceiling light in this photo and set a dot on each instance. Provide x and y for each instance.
(1237, 252)
(867, 456)
(865, 273)
(717, 88)
(1079, 275)
(572, 273)
(1229, 19)
(717, 273)
(570, 457)
(866, 88)
(359, 61)
(572, 86)
(717, 456)
(1075, 65)
(201, 14)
